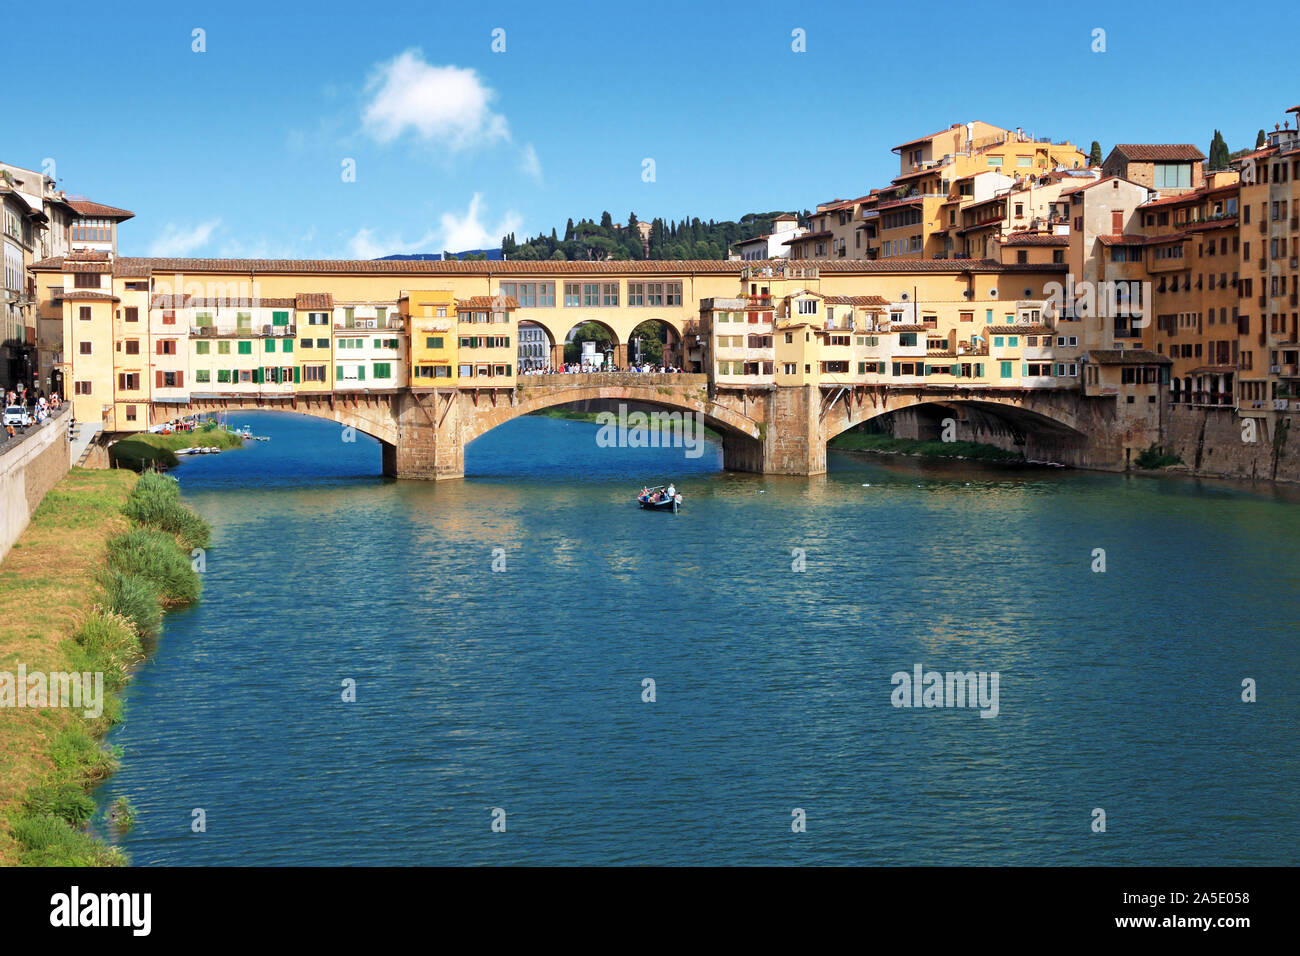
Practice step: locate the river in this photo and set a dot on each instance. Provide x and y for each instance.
(521, 690)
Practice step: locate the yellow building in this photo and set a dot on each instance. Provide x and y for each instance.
(432, 339)
(487, 341)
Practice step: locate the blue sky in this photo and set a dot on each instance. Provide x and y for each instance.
(239, 150)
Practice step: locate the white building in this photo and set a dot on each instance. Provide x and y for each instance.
(774, 245)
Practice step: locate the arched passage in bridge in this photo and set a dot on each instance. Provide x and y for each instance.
(1038, 428)
(655, 330)
(536, 346)
(373, 415)
(608, 345)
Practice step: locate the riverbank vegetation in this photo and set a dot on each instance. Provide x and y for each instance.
(81, 591)
(888, 445)
(150, 450)
(1154, 458)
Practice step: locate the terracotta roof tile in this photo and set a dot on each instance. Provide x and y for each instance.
(1160, 152)
(97, 210)
(314, 300)
(486, 302)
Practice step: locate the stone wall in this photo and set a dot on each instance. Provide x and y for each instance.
(29, 467)
(1216, 443)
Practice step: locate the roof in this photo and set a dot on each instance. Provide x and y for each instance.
(925, 139)
(1122, 240)
(1035, 239)
(1019, 329)
(487, 302)
(1159, 152)
(1128, 357)
(97, 210)
(861, 300)
(72, 295)
(313, 300)
(507, 269)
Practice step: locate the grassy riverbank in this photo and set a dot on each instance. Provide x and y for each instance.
(150, 448)
(888, 445)
(81, 591)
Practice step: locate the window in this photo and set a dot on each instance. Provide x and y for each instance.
(165, 347)
(202, 376)
(609, 294)
(132, 313)
(383, 370)
(128, 381)
(270, 345)
(81, 388)
(807, 306)
(133, 346)
(530, 294)
(130, 413)
(571, 295)
(636, 293)
(433, 342)
(279, 318)
(322, 343)
(313, 318)
(223, 348)
(223, 376)
(245, 347)
(1005, 369)
(83, 313)
(202, 348)
(1172, 176)
(86, 280)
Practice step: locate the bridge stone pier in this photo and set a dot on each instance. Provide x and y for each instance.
(765, 429)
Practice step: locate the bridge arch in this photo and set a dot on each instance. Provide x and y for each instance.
(373, 415)
(672, 339)
(659, 391)
(1039, 425)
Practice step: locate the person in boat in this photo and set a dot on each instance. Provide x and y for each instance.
(671, 492)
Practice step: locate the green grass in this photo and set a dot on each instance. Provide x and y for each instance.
(887, 444)
(91, 616)
(156, 503)
(147, 450)
(156, 557)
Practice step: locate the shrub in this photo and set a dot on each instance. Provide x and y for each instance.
(155, 556)
(46, 840)
(1155, 457)
(108, 643)
(67, 801)
(162, 508)
(134, 598)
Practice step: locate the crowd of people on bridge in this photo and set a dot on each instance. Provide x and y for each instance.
(578, 368)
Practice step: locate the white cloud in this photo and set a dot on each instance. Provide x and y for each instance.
(447, 104)
(531, 164)
(182, 240)
(455, 234)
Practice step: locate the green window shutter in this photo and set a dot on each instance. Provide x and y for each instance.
(297, 375)
(361, 373)
(279, 318)
(288, 345)
(245, 348)
(339, 371)
(270, 345)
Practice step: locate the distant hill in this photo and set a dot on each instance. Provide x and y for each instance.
(440, 256)
(688, 238)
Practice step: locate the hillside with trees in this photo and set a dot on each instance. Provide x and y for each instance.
(689, 238)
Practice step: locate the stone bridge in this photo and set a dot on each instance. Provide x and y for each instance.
(767, 429)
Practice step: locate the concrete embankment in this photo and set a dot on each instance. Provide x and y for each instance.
(30, 465)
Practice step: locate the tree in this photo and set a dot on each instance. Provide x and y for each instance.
(1260, 139)
(1218, 152)
(1094, 157)
(568, 230)
(607, 223)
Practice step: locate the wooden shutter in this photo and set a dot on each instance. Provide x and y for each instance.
(158, 379)
(180, 379)
(297, 375)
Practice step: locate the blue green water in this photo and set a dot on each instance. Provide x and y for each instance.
(522, 689)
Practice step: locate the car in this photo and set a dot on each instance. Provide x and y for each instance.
(17, 416)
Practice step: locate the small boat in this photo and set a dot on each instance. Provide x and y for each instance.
(658, 499)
